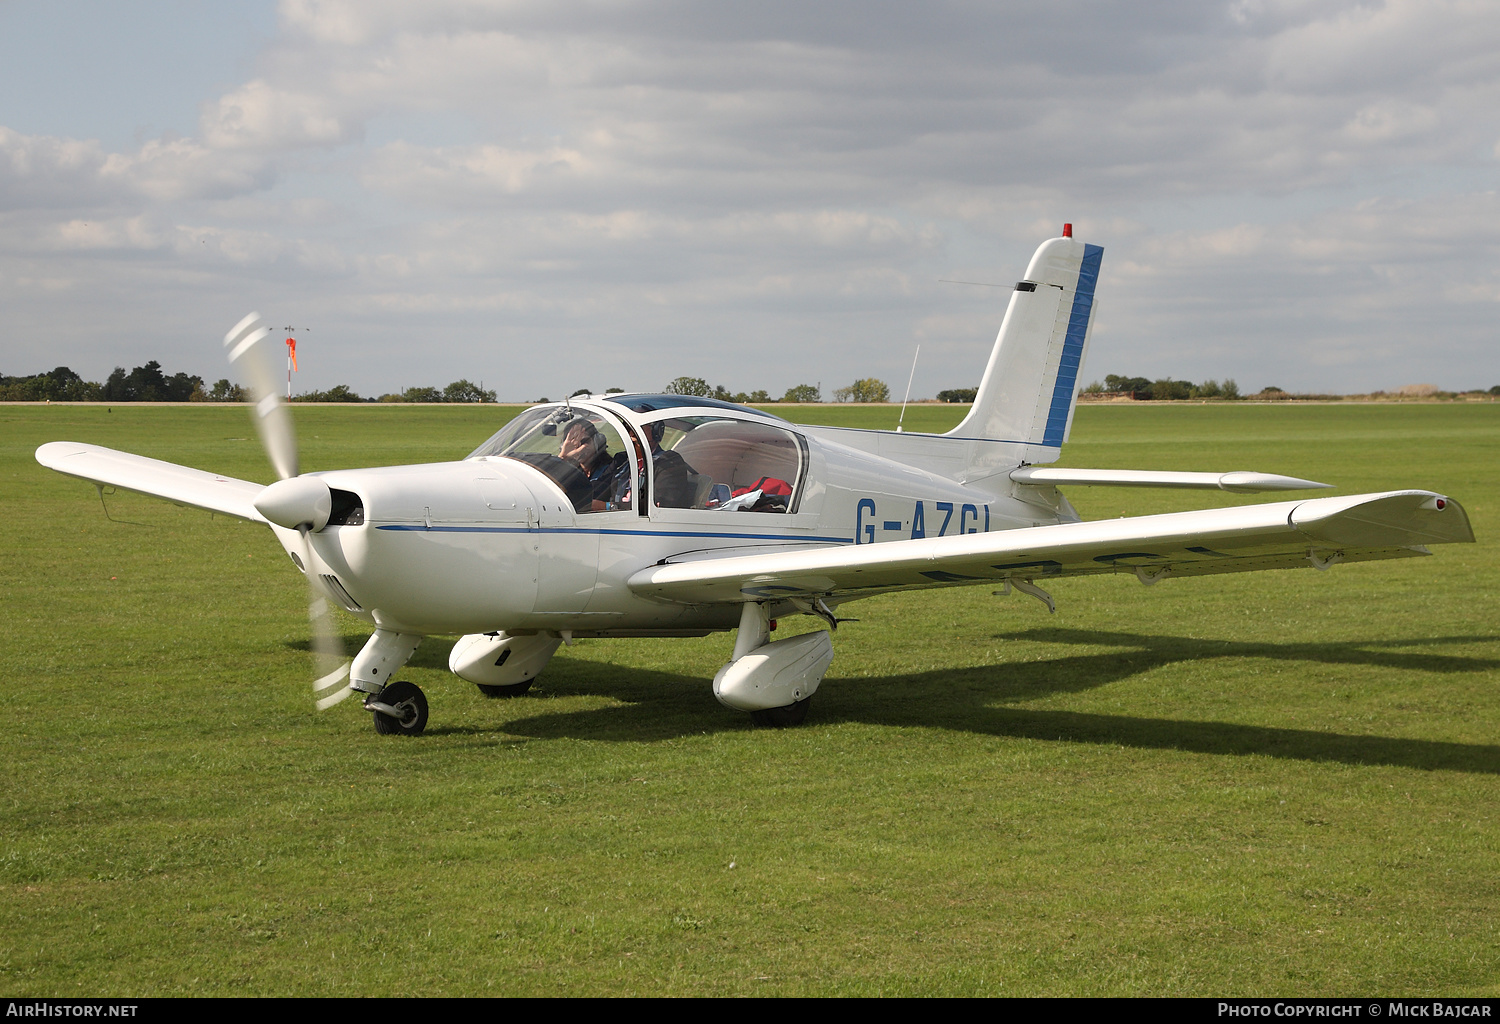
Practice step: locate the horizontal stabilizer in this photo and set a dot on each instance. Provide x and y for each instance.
(1314, 532)
(175, 483)
(1242, 482)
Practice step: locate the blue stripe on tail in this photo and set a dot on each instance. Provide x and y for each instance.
(1072, 353)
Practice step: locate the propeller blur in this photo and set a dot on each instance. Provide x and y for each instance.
(669, 515)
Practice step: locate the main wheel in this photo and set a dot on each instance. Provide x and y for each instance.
(409, 700)
(508, 690)
(782, 718)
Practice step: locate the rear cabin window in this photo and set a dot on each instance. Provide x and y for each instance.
(725, 465)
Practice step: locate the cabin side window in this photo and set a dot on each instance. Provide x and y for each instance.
(724, 465)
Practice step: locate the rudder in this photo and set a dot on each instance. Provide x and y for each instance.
(1030, 386)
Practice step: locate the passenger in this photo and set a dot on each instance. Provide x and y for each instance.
(674, 485)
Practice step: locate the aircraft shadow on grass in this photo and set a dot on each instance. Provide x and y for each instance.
(658, 705)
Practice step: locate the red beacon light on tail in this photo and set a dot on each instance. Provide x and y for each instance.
(1067, 231)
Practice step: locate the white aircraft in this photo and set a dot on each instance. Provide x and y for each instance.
(668, 515)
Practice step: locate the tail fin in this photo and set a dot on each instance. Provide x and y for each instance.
(1031, 383)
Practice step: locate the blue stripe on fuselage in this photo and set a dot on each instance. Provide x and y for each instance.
(419, 528)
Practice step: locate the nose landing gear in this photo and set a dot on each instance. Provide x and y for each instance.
(399, 710)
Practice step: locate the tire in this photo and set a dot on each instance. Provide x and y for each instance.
(411, 699)
(508, 690)
(782, 718)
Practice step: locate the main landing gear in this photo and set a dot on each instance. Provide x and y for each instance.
(499, 664)
(513, 690)
(775, 682)
(783, 717)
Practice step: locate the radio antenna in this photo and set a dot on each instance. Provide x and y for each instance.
(909, 379)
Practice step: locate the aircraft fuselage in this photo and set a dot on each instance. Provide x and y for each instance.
(492, 543)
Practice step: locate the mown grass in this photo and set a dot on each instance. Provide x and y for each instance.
(1276, 783)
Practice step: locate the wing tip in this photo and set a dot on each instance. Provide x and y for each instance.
(53, 452)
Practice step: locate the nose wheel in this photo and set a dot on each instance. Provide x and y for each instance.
(399, 710)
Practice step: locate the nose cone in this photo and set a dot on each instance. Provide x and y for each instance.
(297, 502)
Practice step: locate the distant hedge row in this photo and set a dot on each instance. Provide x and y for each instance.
(143, 384)
(150, 384)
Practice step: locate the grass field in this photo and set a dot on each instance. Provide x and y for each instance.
(1277, 783)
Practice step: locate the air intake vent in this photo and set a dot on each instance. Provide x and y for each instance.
(340, 594)
(348, 509)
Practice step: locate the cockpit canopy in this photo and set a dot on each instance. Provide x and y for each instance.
(656, 403)
(698, 460)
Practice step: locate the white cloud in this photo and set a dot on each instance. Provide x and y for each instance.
(44, 172)
(260, 116)
(462, 176)
(48, 172)
(168, 170)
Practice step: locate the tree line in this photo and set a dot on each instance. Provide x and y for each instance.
(699, 388)
(149, 383)
(868, 389)
(462, 391)
(143, 384)
(1166, 389)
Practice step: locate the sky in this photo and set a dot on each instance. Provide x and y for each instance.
(547, 196)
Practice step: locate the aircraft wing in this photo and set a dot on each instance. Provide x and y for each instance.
(1281, 535)
(167, 480)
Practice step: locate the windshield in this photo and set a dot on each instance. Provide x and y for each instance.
(527, 422)
(581, 451)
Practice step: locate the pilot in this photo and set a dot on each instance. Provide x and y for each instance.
(609, 477)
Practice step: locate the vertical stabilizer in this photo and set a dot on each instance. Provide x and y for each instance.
(1030, 386)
